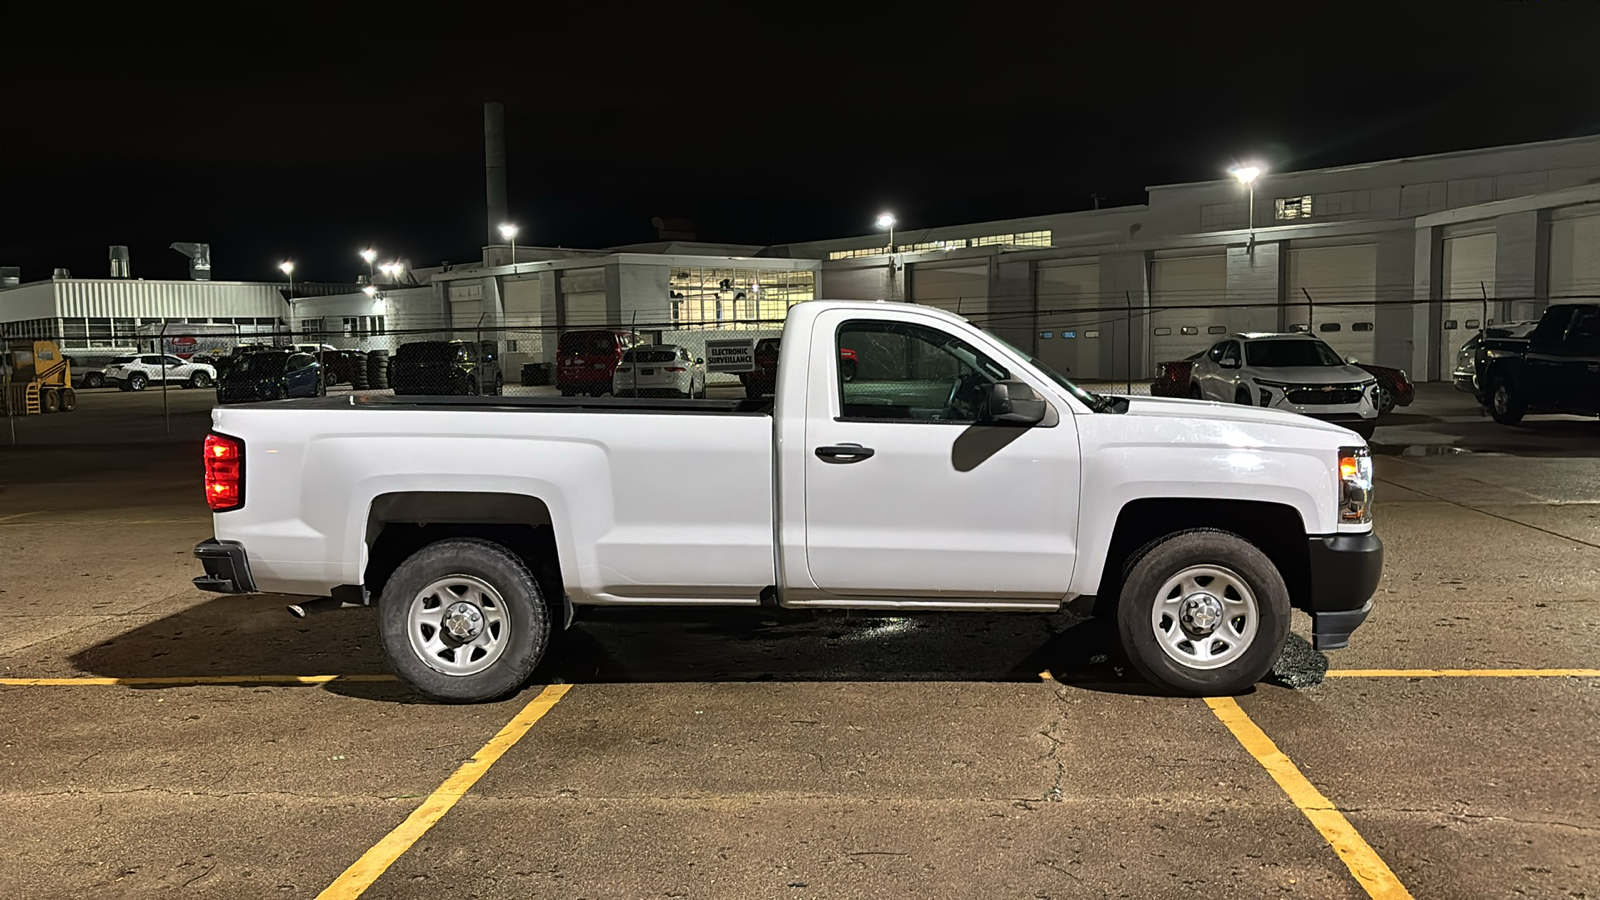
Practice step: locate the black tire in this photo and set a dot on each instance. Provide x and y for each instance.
(94, 380)
(527, 613)
(1365, 429)
(1195, 393)
(69, 399)
(1504, 401)
(199, 380)
(137, 381)
(50, 401)
(499, 385)
(1385, 399)
(1241, 396)
(1150, 570)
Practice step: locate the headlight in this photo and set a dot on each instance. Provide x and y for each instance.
(1355, 486)
(1272, 384)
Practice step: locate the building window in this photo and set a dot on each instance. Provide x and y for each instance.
(1367, 326)
(1023, 239)
(1288, 208)
(736, 299)
(859, 254)
(1328, 326)
(1091, 334)
(1190, 329)
(1216, 329)
(1162, 332)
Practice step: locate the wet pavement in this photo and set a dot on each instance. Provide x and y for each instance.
(753, 754)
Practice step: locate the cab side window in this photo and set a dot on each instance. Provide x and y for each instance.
(1215, 353)
(1230, 352)
(912, 373)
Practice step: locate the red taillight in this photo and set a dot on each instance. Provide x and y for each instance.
(224, 472)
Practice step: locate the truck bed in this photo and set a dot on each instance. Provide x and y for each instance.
(524, 404)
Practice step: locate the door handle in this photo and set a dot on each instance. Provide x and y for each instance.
(844, 453)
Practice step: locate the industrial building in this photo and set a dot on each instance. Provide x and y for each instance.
(1395, 262)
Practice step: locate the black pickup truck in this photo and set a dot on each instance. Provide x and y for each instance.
(1556, 368)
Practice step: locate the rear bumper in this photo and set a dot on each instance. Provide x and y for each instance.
(227, 567)
(1345, 570)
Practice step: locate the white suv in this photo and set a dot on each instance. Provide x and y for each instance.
(1294, 372)
(132, 373)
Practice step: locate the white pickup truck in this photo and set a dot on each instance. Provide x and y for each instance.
(952, 472)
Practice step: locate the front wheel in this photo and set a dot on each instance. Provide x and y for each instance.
(94, 380)
(1195, 393)
(1203, 613)
(1242, 397)
(199, 380)
(464, 621)
(1384, 398)
(1505, 404)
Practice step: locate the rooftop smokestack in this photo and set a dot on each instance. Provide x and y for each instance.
(119, 262)
(494, 168)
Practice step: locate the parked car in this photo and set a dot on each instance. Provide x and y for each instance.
(762, 380)
(663, 370)
(89, 371)
(134, 373)
(586, 361)
(447, 367)
(1556, 368)
(1394, 385)
(270, 375)
(1295, 372)
(956, 473)
(1465, 374)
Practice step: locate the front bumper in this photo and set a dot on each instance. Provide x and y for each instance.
(1345, 570)
(227, 567)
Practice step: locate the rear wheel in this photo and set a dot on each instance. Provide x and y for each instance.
(1195, 393)
(69, 400)
(137, 381)
(1203, 612)
(50, 401)
(199, 380)
(1505, 404)
(94, 380)
(464, 621)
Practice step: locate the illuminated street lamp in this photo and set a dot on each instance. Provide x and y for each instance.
(509, 232)
(886, 220)
(287, 268)
(1247, 176)
(369, 255)
(391, 270)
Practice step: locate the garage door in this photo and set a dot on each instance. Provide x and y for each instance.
(466, 305)
(1069, 322)
(1188, 296)
(960, 289)
(1575, 257)
(583, 293)
(1335, 277)
(1468, 273)
(522, 301)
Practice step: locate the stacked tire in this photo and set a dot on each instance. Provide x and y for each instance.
(378, 370)
(356, 364)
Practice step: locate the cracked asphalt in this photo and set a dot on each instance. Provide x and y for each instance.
(744, 754)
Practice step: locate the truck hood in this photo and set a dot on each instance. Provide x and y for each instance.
(1312, 374)
(1206, 414)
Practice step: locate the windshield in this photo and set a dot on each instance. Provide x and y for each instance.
(1285, 353)
(1088, 398)
(590, 343)
(657, 355)
(260, 363)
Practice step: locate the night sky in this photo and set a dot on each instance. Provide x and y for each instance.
(798, 128)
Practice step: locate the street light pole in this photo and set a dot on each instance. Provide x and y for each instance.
(1246, 176)
(509, 232)
(369, 255)
(886, 220)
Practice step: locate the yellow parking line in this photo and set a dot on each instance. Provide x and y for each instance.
(189, 679)
(366, 870)
(1363, 862)
(1463, 673)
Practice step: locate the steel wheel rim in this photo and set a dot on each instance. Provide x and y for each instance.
(458, 625)
(1181, 617)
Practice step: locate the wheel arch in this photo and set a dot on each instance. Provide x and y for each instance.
(1277, 529)
(401, 523)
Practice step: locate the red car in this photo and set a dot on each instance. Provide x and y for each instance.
(1395, 388)
(764, 378)
(587, 360)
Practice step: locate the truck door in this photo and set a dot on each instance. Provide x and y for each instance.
(1545, 363)
(906, 493)
(1580, 361)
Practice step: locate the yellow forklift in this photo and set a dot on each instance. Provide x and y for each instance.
(38, 379)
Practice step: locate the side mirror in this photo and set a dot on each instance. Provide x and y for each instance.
(1350, 360)
(1229, 364)
(1014, 403)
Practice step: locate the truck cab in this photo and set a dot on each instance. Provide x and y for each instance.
(1556, 368)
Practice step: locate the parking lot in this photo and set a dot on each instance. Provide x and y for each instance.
(158, 740)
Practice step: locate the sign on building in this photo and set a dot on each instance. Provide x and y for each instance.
(731, 355)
